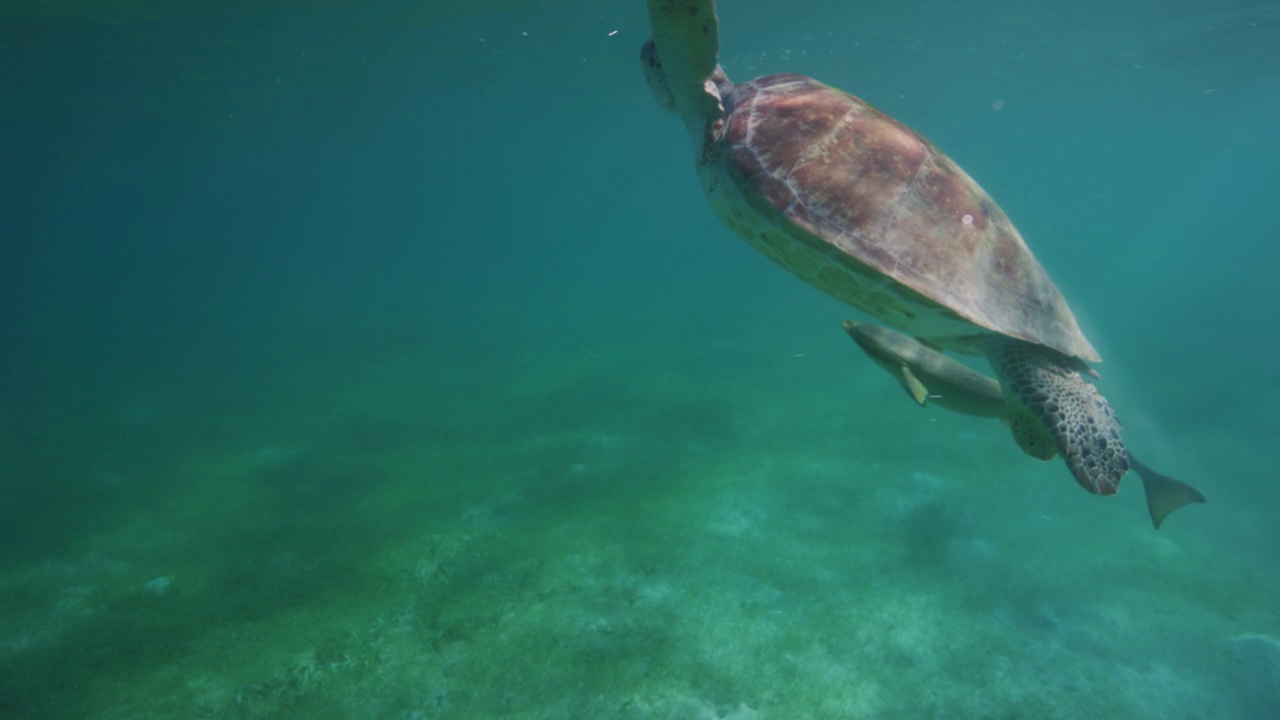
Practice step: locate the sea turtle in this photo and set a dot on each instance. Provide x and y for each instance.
(865, 209)
(929, 376)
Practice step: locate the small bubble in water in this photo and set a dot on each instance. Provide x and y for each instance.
(967, 219)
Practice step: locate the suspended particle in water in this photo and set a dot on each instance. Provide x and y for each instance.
(997, 105)
(967, 220)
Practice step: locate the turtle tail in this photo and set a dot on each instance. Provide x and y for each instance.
(1164, 494)
(1048, 386)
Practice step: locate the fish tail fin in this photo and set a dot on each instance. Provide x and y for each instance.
(1164, 494)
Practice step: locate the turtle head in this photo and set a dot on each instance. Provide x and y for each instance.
(656, 78)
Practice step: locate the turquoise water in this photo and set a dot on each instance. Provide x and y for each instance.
(372, 360)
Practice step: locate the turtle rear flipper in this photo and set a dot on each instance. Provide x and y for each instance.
(1030, 434)
(1164, 494)
(1073, 412)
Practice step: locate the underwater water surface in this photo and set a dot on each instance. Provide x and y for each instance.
(385, 360)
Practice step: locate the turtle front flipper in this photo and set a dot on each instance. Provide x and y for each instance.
(681, 60)
(1046, 385)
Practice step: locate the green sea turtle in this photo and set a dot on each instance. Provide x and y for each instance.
(868, 211)
(929, 376)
